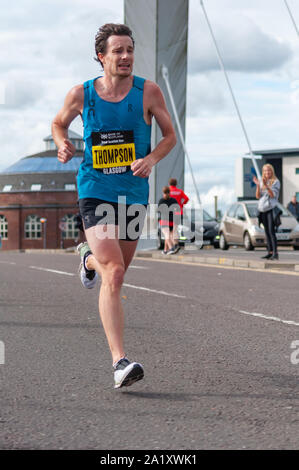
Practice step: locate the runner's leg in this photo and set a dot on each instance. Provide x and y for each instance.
(128, 249)
(107, 259)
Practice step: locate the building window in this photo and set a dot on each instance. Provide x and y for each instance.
(297, 171)
(70, 187)
(297, 197)
(36, 187)
(7, 188)
(33, 227)
(78, 144)
(3, 227)
(68, 227)
(50, 145)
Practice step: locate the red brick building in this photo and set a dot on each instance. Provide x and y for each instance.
(38, 200)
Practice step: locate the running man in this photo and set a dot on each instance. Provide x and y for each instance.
(117, 110)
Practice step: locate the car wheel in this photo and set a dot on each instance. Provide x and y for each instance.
(222, 242)
(296, 247)
(216, 245)
(247, 242)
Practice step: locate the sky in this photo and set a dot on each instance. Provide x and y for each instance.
(48, 47)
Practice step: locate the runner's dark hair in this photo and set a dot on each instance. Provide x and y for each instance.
(107, 30)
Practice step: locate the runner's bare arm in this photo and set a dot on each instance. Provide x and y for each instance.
(154, 105)
(72, 107)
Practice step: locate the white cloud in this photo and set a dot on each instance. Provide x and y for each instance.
(225, 197)
(244, 45)
(205, 94)
(21, 93)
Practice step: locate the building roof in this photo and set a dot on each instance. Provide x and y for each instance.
(43, 169)
(286, 152)
(72, 135)
(45, 162)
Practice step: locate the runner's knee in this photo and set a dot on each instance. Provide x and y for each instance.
(113, 275)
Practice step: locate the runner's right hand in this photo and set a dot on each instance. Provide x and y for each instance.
(66, 151)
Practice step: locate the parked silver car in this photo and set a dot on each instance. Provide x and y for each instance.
(239, 226)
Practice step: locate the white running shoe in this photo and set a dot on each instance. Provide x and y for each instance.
(126, 373)
(88, 277)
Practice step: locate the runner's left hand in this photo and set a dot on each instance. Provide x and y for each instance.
(141, 167)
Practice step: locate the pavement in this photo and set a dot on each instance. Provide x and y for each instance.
(219, 258)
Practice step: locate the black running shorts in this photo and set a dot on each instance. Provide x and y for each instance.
(128, 217)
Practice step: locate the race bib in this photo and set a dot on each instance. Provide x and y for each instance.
(113, 151)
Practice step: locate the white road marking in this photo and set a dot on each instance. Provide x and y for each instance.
(125, 285)
(155, 291)
(52, 271)
(265, 317)
(7, 262)
(138, 267)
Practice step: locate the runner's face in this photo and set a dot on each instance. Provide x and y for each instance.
(119, 56)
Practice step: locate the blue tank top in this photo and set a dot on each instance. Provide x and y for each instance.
(114, 135)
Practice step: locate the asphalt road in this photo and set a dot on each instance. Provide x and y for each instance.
(215, 343)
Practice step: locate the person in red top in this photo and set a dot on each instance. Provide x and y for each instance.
(182, 199)
(168, 207)
(177, 194)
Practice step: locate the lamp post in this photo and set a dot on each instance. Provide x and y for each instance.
(62, 226)
(43, 221)
(216, 206)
